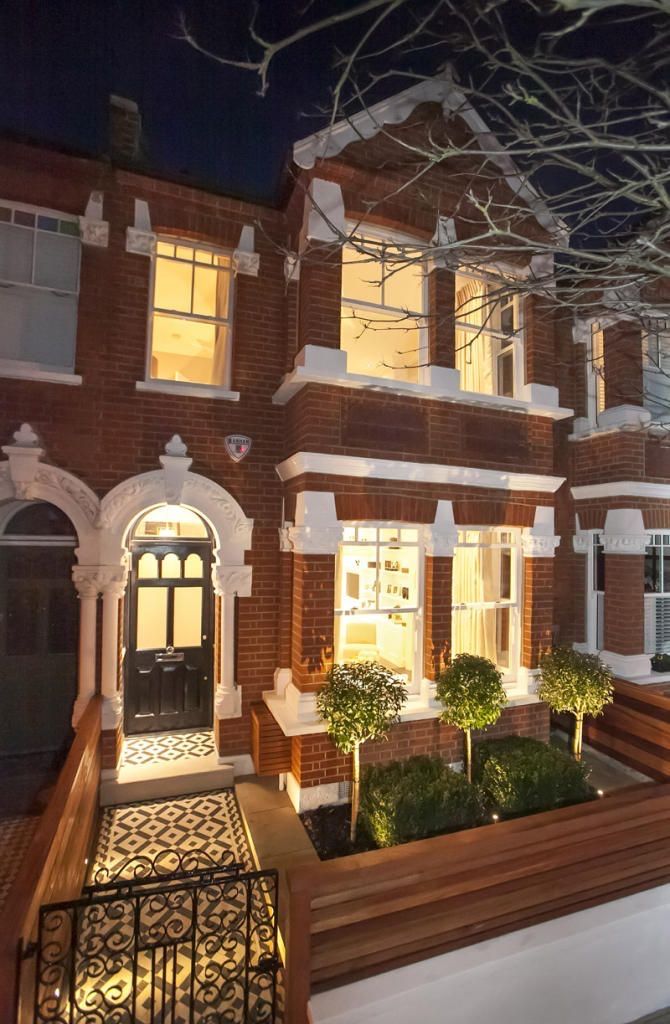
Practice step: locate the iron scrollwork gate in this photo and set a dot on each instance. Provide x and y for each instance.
(196, 947)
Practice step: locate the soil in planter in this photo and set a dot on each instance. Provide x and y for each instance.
(328, 828)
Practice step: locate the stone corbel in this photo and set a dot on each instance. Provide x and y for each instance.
(232, 580)
(24, 456)
(245, 258)
(445, 236)
(92, 228)
(542, 266)
(285, 544)
(140, 239)
(291, 268)
(324, 219)
(624, 532)
(175, 466)
(441, 538)
(581, 542)
(317, 530)
(539, 540)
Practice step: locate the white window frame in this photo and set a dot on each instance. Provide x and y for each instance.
(594, 598)
(515, 603)
(24, 369)
(189, 387)
(363, 232)
(595, 374)
(654, 365)
(652, 599)
(414, 684)
(516, 340)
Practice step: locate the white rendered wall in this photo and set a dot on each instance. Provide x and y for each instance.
(606, 965)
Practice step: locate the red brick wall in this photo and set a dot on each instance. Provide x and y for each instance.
(319, 296)
(437, 615)
(539, 339)
(312, 633)
(623, 364)
(624, 603)
(605, 457)
(315, 760)
(538, 609)
(441, 334)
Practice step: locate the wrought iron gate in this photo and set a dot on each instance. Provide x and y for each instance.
(193, 947)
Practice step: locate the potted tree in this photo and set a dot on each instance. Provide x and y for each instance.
(472, 695)
(358, 702)
(580, 684)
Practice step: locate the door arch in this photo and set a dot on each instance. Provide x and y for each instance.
(169, 623)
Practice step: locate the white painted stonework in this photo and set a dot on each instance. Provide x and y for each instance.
(606, 965)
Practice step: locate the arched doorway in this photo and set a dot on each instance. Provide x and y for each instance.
(38, 629)
(169, 623)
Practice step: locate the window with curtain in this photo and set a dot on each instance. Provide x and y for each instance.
(595, 385)
(657, 594)
(191, 314)
(485, 603)
(383, 305)
(39, 287)
(656, 373)
(488, 336)
(378, 598)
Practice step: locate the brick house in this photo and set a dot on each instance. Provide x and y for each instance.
(421, 480)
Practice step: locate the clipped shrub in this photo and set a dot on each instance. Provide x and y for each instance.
(518, 775)
(472, 696)
(578, 683)
(413, 799)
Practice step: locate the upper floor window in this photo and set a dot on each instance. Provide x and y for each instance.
(656, 376)
(489, 343)
(190, 331)
(485, 597)
(595, 374)
(378, 598)
(39, 286)
(383, 303)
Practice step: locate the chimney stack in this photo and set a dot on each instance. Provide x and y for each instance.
(125, 129)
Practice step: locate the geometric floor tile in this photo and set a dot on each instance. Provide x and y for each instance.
(15, 836)
(162, 748)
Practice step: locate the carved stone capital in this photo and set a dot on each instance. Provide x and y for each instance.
(581, 542)
(625, 543)
(88, 580)
(315, 540)
(113, 581)
(142, 243)
(284, 538)
(539, 545)
(232, 580)
(94, 232)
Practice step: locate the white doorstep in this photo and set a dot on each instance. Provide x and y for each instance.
(165, 779)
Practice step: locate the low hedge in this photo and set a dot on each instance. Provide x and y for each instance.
(519, 775)
(413, 799)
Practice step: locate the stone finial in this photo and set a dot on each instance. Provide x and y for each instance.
(175, 446)
(25, 437)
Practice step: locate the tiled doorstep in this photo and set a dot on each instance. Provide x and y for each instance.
(276, 835)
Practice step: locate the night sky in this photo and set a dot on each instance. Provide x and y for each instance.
(60, 60)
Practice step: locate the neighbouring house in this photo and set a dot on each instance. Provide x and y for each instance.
(249, 450)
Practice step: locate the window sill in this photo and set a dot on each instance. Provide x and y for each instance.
(173, 387)
(302, 375)
(33, 371)
(613, 420)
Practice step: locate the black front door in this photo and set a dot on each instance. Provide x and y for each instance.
(169, 631)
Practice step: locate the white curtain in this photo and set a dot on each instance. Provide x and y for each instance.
(220, 361)
(475, 580)
(473, 349)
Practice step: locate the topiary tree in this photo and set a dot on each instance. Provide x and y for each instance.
(580, 684)
(359, 701)
(471, 692)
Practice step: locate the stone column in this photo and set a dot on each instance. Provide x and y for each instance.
(112, 704)
(624, 543)
(229, 582)
(87, 582)
(538, 545)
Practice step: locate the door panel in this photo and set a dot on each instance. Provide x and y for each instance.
(170, 631)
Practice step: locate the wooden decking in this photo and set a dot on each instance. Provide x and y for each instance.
(635, 729)
(373, 912)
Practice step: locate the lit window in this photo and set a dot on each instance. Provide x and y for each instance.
(595, 594)
(656, 379)
(657, 594)
(382, 330)
(39, 285)
(377, 598)
(191, 314)
(488, 336)
(485, 609)
(595, 385)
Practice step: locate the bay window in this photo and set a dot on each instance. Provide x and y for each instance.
(656, 373)
(657, 595)
(489, 344)
(485, 597)
(378, 598)
(383, 305)
(39, 287)
(191, 314)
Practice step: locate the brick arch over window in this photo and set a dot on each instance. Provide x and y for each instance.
(385, 507)
(493, 513)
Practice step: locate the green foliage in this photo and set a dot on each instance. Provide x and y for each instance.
(358, 702)
(519, 775)
(412, 799)
(575, 682)
(660, 663)
(471, 692)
